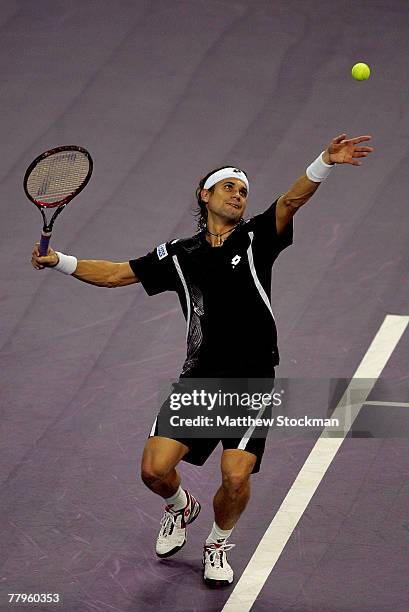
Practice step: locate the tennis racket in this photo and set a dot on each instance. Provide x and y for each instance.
(53, 179)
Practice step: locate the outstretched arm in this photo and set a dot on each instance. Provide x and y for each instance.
(340, 151)
(95, 272)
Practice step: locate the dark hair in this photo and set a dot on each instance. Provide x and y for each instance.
(201, 211)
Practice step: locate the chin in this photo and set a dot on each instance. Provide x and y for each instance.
(233, 215)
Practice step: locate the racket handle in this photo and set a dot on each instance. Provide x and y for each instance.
(44, 242)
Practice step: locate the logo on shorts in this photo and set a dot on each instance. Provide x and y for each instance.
(161, 251)
(235, 260)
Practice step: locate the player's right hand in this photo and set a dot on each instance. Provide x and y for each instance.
(47, 261)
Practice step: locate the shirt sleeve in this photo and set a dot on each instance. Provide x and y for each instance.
(156, 270)
(265, 232)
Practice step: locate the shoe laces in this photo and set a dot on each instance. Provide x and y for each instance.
(168, 521)
(215, 552)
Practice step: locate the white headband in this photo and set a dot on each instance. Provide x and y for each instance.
(226, 173)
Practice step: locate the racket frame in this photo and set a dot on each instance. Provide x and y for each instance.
(60, 204)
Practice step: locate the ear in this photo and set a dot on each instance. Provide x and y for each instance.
(204, 195)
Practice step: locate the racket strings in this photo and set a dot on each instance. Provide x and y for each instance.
(58, 176)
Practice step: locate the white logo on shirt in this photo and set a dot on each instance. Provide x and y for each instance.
(161, 251)
(235, 260)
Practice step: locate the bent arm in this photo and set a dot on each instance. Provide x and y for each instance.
(298, 195)
(341, 150)
(293, 199)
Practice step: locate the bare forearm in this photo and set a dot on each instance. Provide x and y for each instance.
(300, 193)
(104, 273)
(340, 150)
(95, 272)
(302, 190)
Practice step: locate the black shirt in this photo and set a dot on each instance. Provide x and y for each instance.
(225, 296)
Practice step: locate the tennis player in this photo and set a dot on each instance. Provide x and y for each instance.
(222, 276)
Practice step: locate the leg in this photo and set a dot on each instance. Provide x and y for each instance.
(160, 457)
(229, 502)
(234, 493)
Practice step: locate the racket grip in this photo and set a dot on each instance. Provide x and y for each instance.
(44, 242)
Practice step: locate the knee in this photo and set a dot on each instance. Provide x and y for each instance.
(153, 474)
(235, 482)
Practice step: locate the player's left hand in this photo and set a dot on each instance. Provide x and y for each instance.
(343, 150)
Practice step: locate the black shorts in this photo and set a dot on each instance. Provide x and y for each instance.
(251, 439)
(200, 449)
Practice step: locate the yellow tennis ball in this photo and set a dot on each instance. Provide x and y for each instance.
(360, 72)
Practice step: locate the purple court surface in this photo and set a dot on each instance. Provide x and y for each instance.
(160, 92)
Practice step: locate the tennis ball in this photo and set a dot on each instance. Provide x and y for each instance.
(360, 72)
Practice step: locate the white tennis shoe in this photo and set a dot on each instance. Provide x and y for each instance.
(217, 571)
(172, 535)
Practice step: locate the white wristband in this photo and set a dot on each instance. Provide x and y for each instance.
(67, 264)
(319, 170)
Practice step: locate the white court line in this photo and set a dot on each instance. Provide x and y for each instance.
(298, 497)
(399, 404)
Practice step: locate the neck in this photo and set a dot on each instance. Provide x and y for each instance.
(216, 233)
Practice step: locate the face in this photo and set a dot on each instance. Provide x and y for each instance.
(228, 200)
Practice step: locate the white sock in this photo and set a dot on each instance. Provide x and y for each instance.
(178, 500)
(217, 534)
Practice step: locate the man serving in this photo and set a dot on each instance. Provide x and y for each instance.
(222, 276)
